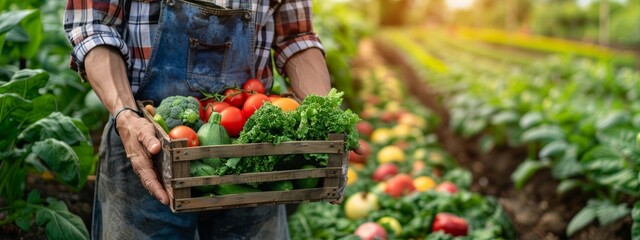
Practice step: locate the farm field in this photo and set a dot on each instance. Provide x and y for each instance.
(475, 127)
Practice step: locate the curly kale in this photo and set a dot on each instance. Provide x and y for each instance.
(268, 124)
(314, 119)
(321, 115)
(180, 110)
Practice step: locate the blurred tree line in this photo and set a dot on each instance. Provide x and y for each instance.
(601, 21)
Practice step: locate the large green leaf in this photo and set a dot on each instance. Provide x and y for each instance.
(505, 117)
(13, 110)
(556, 148)
(619, 138)
(32, 24)
(608, 212)
(60, 223)
(602, 159)
(614, 119)
(26, 83)
(542, 133)
(17, 35)
(56, 126)
(13, 107)
(9, 20)
(581, 219)
(2, 37)
(473, 126)
(525, 170)
(43, 106)
(608, 167)
(60, 158)
(85, 157)
(568, 184)
(635, 215)
(531, 119)
(567, 165)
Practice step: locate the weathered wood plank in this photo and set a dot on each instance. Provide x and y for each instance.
(333, 172)
(253, 199)
(258, 149)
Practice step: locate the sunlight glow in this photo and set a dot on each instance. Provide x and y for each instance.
(457, 4)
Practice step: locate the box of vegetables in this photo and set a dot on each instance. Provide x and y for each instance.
(219, 154)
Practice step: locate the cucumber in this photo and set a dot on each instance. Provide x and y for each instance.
(284, 185)
(224, 189)
(306, 182)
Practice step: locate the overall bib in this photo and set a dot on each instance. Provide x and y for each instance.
(198, 46)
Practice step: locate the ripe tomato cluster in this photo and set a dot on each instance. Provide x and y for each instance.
(236, 105)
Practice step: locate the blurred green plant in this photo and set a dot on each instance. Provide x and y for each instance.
(44, 111)
(341, 26)
(38, 138)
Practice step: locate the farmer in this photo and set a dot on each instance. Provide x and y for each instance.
(152, 49)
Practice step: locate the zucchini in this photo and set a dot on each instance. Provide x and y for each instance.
(212, 133)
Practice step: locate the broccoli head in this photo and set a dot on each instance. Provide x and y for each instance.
(180, 110)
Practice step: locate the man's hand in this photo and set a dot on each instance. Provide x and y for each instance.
(106, 71)
(140, 143)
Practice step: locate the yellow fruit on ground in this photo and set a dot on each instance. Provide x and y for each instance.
(393, 223)
(424, 183)
(380, 187)
(286, 104)
(402, 131)
(381, 135)
(390, 153)
(352, 176)
(420, 153)
(356, 166)
(436, 157)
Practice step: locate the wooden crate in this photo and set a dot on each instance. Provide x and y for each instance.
(172, 167)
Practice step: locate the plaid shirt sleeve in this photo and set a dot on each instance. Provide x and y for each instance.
(293, 31)
(88, 24)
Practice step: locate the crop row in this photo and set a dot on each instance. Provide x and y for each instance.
(578, 117)
(406, 185)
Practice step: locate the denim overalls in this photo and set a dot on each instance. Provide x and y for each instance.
(198, 46)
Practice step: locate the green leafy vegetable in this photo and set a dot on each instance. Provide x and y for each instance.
(315, 118)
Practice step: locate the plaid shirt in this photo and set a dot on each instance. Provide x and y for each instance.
(282, 25)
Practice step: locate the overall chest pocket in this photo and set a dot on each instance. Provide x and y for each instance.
(207, 59)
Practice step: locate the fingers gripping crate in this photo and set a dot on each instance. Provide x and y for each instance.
(172, 166)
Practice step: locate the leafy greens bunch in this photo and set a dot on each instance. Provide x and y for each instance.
(314, 119)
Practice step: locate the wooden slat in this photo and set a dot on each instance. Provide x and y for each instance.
(257, 177)
(335, 160)
(181, 170)
(253, 199)
(258, 149)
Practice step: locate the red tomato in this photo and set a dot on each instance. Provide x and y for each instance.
(252, 104)
(213, 107)
(218, 106)
(234, 97)
(252, 86)
(202, 105)
(185, 132)
(450, 224)
(232, 120)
